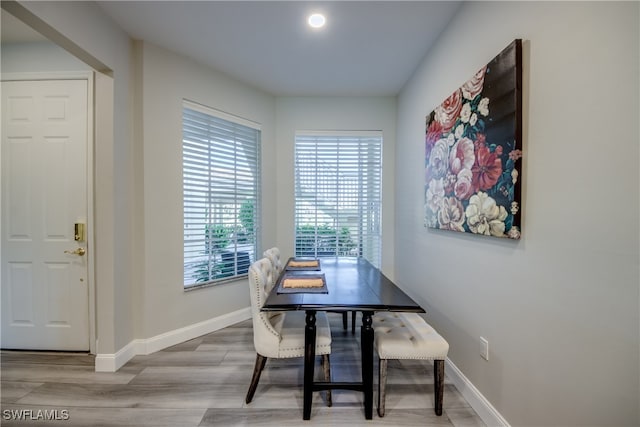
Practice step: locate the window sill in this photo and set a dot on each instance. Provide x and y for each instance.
(214, 283)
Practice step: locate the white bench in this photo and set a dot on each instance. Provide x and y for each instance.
(408, 336)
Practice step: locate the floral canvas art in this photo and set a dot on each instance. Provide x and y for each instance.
(474, 152)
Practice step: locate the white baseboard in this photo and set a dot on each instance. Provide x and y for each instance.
(113, 362)
(485, 410)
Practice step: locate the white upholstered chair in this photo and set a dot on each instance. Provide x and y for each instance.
(273, 254)
(281, 334)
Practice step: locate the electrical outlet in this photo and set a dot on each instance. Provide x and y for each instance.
(484, 348)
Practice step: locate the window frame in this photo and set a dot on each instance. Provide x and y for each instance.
(366, 235)
(221, 173)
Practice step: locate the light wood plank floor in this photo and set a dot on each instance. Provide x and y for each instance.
(203, 382)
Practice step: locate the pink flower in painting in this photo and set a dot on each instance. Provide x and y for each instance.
(473, 86)
(434, 133)
(464, 185)
(481, 141)
(451, 215)
(486, 170)
(447, 113)
(515, 155)
(514, 233)
(461, 156)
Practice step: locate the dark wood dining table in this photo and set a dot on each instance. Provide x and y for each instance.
(352, 284)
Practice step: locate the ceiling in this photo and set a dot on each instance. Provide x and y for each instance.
(367, 48)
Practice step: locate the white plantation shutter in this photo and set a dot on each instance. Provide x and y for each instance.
(220, 159)
(338, 201)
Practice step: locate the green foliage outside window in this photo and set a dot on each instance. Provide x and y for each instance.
(324, 240)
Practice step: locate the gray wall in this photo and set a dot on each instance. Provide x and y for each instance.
(165, 79)
(559, 307)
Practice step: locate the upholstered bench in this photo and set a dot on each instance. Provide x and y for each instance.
(408, 336)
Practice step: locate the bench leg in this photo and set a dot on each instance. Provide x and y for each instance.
(326, 368)
(382, 384)
(438, 381)
(257, 370)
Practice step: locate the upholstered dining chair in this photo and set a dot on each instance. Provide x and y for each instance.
(273, 254)
(280, 335)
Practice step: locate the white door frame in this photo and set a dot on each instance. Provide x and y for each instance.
(89, 77)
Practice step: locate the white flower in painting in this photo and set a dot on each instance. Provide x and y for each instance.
(451, 139)
(483, 107)
(484, 216)
(439, 159)
(514, 176)
(473, 120)
(514, 208)
(465, 113)
(435, 194)
(459, 131)
(451, 215)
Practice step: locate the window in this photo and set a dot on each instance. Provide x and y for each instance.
(338, 194)
(220, 170)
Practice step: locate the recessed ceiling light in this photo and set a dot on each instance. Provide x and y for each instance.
(317, 20)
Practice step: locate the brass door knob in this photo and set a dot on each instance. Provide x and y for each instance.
(79, 251)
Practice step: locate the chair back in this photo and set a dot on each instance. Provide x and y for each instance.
(273, 255)
(265, 337)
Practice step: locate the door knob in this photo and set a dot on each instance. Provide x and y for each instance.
(79, 251)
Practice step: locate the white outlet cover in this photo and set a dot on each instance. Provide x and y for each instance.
(484, 348)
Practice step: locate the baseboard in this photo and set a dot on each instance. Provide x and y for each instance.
(485, 410)
(113, 362)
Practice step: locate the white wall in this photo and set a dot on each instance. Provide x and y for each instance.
(333, 113)
(38, 57)
(559, 307)
(167, 79)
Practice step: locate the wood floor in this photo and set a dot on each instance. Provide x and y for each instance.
(203, 382)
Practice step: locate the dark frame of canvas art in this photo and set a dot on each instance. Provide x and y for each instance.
(473, 152)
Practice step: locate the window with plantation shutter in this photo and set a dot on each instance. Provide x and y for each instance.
(338, 180)
(220, 169)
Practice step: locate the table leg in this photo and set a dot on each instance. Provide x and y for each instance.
(309, 361)
(366, 338)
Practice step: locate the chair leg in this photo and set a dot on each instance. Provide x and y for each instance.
(353, 321)
(257, 370)
(345, 322)
(382, 384)
(438, 381)
(326, 368)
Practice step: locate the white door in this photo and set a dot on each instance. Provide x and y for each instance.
(44, 194)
